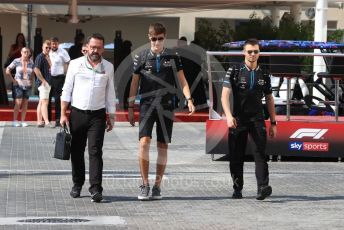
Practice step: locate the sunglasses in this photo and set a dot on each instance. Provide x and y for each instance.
(252, 51)
(154, 39)
(48, 48)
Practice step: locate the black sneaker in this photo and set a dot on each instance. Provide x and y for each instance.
(156, 193)
(96, 197)
(237, 194)
(144, 192)
(75, 192)
(264, 192)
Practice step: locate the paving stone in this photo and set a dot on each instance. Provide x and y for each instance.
(196, 190)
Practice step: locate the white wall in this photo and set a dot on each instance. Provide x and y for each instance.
(134, 29)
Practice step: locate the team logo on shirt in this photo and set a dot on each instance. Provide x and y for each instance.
(148, 65)
(261, 82)
(82, 68)
(167, 63)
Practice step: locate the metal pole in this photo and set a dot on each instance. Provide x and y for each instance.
(288, 99)
(29, 24)
(211, 96)
(336, 99)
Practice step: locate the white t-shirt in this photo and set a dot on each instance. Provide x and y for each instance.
(58, 59)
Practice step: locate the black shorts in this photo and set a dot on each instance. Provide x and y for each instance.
(162, 115)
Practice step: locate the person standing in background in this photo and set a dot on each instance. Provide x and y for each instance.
(16, 48)
(59, 63)
(22, 83)
(42, 70)
(84, 49)
(75, 50)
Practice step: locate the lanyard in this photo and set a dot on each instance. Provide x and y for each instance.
(157, 63)
(102, 68)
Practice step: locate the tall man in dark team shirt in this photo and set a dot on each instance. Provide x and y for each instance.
(249, 83)
(157, 71)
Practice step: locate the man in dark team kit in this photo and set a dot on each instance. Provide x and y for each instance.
(157, 71)
(249, 83)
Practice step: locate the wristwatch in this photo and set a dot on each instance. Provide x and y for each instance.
(273, 123)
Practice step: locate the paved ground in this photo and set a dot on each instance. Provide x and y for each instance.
(34, 187)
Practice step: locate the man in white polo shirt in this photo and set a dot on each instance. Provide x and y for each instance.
(89, 87)
(59, 62)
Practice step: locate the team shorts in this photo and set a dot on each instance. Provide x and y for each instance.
(161, 115)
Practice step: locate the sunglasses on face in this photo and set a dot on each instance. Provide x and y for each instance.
(47, 48)
(154, 39)
(252, 51)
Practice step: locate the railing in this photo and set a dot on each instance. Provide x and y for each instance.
(214, 115)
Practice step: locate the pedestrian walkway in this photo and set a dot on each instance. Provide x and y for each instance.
(34, 187)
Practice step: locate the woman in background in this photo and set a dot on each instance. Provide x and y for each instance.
(22, 83)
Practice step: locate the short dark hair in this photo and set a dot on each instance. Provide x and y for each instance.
(156, 28)
(183, 38)
(251, 41)
(54, 39)
(96, 36)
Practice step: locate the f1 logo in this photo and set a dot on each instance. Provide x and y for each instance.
(304, 132)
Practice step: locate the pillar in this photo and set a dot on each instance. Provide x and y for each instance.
(28, 25)
(296, 11)
(187, 27)
(320, 35)
(275, 16)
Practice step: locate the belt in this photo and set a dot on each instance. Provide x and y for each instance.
(59, 75)
(89, 111)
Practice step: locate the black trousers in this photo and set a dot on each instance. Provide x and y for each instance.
(237, 141)
(56, 83)
(87, 127)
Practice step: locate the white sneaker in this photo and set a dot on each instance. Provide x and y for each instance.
(24, 124)
(16, 124)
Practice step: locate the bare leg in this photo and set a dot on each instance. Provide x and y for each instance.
(161, 162)
(17, 104)
(44, 109)
(144, 158)
(39, 112)
(24, 109)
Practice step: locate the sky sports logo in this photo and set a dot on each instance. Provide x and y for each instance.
(309, 146)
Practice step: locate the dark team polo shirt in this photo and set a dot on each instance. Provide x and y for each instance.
(158, 74)
(249, 87)
(42, 64)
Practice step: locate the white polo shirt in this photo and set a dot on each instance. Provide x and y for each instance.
(89, 88)
(58, 59)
